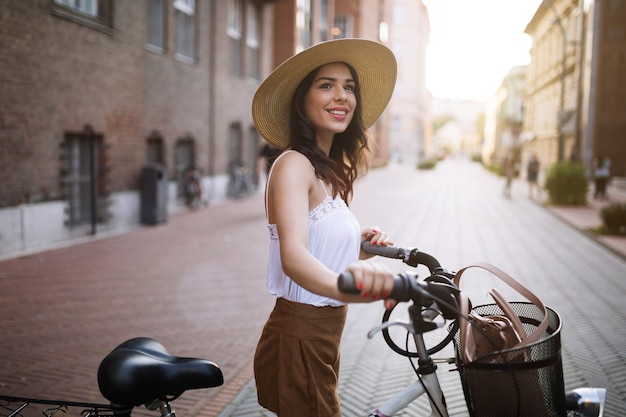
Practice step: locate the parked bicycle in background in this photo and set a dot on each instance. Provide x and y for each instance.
(240, 182)
(194, 194)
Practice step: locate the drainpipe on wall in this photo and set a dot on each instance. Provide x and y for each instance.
(211, 115)
(93, 180)
(578, 75)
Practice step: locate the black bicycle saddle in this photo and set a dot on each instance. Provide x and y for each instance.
(140, 370)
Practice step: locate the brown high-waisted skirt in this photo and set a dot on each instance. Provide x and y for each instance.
(296, 364)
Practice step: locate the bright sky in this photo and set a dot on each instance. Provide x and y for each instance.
(474, 43)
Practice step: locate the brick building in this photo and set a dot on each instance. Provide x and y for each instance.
(94, 91)
(100, 95)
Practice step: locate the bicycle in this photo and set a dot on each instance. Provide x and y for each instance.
(240, 183)
(434, 303)
(194, 195)
(140, 371)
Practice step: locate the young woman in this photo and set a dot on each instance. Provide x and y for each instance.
(317, 106)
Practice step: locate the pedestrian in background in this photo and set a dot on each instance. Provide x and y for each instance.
(509, 174)
(532, 175)
(316, 106)
(601, 177)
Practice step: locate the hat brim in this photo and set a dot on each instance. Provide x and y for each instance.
(374, 63)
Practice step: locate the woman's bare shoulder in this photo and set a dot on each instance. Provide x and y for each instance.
(292, 161)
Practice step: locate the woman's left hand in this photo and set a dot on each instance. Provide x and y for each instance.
(376, 237)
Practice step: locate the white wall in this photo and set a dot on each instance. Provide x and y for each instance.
(30, 228)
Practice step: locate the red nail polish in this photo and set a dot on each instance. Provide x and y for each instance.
(360, 286)
(364, 295)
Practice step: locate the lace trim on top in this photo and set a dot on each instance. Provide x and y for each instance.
(326, 207)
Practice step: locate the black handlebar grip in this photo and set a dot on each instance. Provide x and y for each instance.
(403, 286)
(346, 284)
(387, 251)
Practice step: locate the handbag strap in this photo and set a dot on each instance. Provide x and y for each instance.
(510, 313)
(464, 324)
(529, 295)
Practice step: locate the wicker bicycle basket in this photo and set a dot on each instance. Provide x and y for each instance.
(518, 382)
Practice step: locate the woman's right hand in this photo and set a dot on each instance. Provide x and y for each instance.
(374, 280)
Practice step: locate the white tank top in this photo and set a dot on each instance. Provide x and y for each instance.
(334, 239)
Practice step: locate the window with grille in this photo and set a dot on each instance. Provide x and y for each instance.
(235, 144)
(156, 24)
(84, 177)
(185, 28)
(155, 149)
(184, 159)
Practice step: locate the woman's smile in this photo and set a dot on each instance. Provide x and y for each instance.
(330, 102)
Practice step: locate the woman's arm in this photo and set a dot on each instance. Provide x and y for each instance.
(292, 183)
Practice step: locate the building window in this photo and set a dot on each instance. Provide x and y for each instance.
(184, 159)
(156, 24)
(97, 14)
(235, 141)
(253, 41)
(235, 35)
(88, 7)
(323, 29)
(343, 27)
(185, 28)
(253, 154)
(83, 176)
(155, 153)
(303, 23)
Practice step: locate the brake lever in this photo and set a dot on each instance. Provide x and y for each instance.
(387, 324)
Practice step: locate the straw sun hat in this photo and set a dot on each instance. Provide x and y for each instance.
(374, 63)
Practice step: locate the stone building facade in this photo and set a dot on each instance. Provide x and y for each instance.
(575, 100)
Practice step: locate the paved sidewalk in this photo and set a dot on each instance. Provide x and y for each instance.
(586, 218)
(197, 284)
(450, 205)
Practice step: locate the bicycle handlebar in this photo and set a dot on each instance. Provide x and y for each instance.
(438, 287)
(410, 256)
(405, 287)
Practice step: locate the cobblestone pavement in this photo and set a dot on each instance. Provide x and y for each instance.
(197, 285)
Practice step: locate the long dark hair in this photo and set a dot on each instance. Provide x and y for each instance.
(348, 155)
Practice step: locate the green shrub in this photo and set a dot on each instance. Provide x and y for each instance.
(614, 218)
(566, 183)
(427, 164)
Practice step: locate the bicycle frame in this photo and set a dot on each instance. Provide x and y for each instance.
(428, 381)
(413, 392)
(427, 384)
(87, 409)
